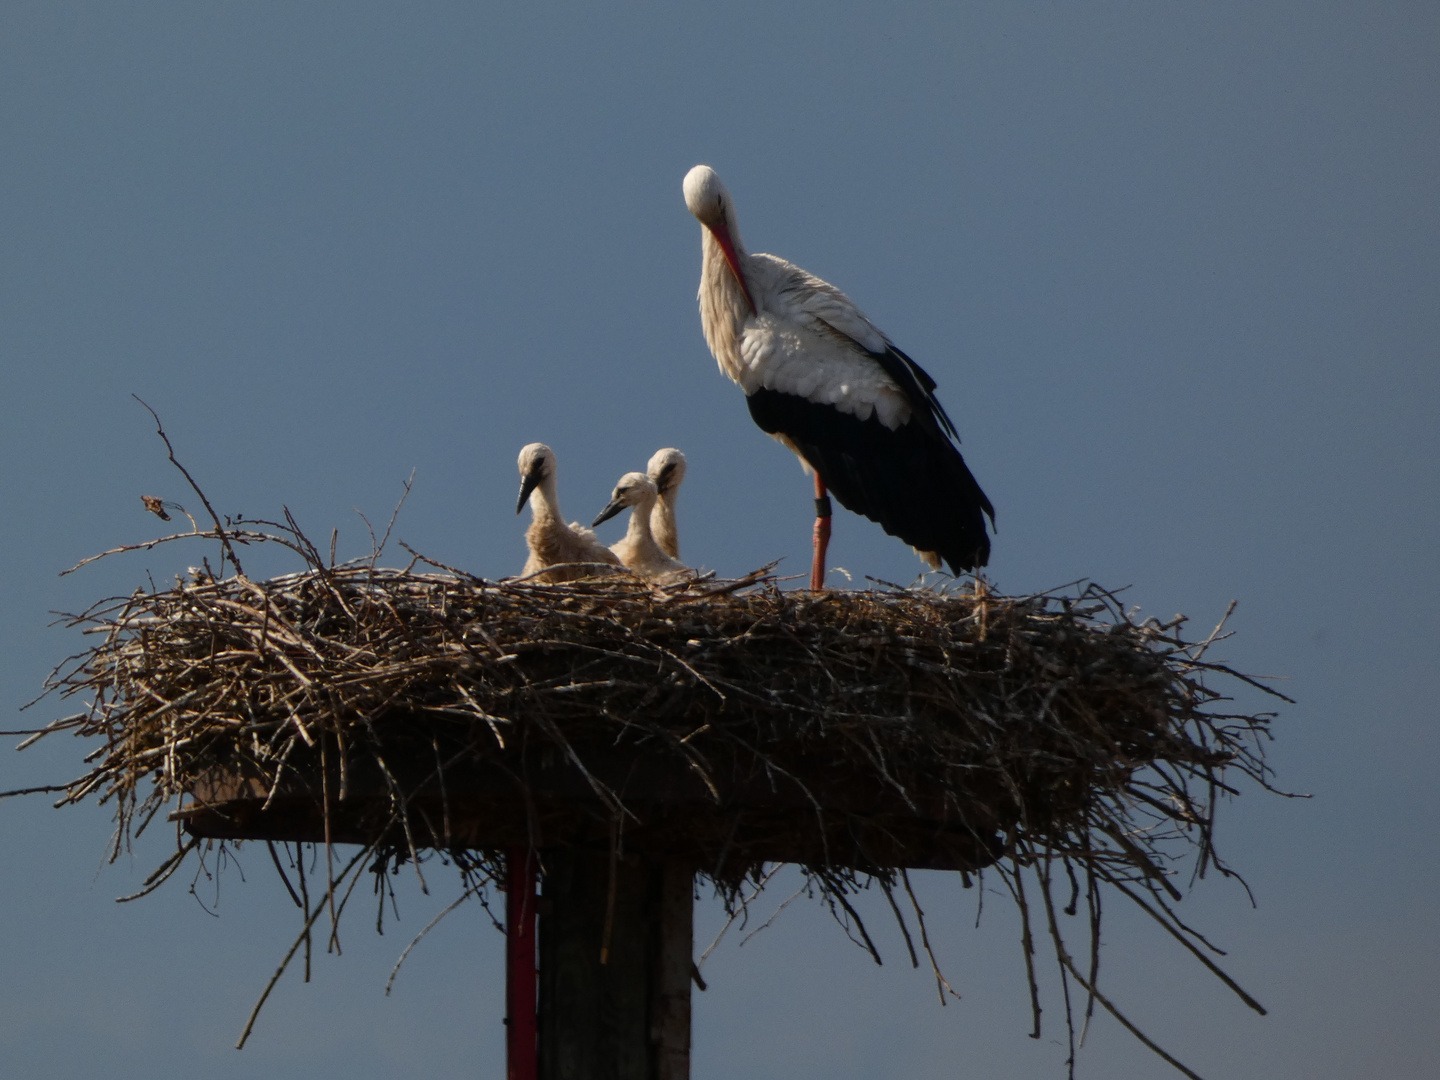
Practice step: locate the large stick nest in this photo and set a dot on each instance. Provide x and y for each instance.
(856, 733)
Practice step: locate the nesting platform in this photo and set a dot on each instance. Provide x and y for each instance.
(710, 727)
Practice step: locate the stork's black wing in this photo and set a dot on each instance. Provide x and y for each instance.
(911, 480)
(918, 386)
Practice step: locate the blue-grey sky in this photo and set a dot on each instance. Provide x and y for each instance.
(1176, 269)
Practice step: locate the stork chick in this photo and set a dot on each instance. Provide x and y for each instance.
(551, 541)
(638, 549)
(667, 469)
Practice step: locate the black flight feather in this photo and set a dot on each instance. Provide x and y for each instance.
(912, 481)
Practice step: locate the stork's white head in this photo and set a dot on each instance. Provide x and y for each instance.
(707, 198)
(537, 465)
(634, 489)
(667, 469)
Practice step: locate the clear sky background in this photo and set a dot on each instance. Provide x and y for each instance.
(1176, 268)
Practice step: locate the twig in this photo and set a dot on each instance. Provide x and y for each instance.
(469, 892)
(285, 963)
(214, 517)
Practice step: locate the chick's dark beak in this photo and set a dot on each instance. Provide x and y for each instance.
(614, 507)
(529, 484)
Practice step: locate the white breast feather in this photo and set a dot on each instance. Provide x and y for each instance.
(808, 339)
(811, 341)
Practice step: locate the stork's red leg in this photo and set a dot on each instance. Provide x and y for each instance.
(822, 534)
(521, 1046)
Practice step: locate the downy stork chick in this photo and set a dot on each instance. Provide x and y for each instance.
(638, 549)
(667, 469)
(551, 541)
(826, 382)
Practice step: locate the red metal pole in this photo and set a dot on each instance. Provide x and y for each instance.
(521, 1043)
(822, 534)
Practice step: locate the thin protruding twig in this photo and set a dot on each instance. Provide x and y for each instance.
(942, 984)
(1213, 967)
(162, 873)
(283, 877)
(470, 891)
(380, 547)
(295, 946)
(1016, 880)
(214, 517)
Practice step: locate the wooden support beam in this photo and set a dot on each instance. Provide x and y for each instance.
(614, 937)
(842, 817)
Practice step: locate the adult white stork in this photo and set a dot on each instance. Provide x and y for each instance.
(667, 469)
(572, 549)
(637, 549)
(825, 381)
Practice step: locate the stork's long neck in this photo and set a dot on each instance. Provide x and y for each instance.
(545, 502)
(724, 306)
(638, 535)
(662, 524)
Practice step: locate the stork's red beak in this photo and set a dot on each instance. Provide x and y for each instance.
(721, 232)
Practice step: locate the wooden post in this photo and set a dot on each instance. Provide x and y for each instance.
(521, 1043)
(614, 937)
(670, 1019)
